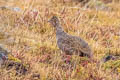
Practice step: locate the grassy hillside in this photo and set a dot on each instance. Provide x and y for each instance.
(24, 30)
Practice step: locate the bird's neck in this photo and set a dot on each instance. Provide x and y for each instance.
(59, 30)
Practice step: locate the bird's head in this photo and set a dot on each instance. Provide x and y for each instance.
(54, 21)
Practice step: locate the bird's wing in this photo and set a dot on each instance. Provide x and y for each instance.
(65, 45)
(75, 43)
(81, 44)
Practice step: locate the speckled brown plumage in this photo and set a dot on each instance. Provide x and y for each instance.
(68, 43)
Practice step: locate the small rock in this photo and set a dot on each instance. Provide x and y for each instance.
(17, 9)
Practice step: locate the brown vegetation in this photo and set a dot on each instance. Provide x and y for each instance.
(30, 38)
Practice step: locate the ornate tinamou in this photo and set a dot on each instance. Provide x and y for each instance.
(68, 43)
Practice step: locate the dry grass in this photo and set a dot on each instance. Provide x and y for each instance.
(30, 38)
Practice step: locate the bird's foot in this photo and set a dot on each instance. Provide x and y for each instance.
(67, 58)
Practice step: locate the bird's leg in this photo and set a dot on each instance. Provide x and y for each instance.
(67, 58)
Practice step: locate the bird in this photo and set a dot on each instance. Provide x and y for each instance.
(70, 44)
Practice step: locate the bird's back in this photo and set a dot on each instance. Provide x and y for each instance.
(73, 45)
